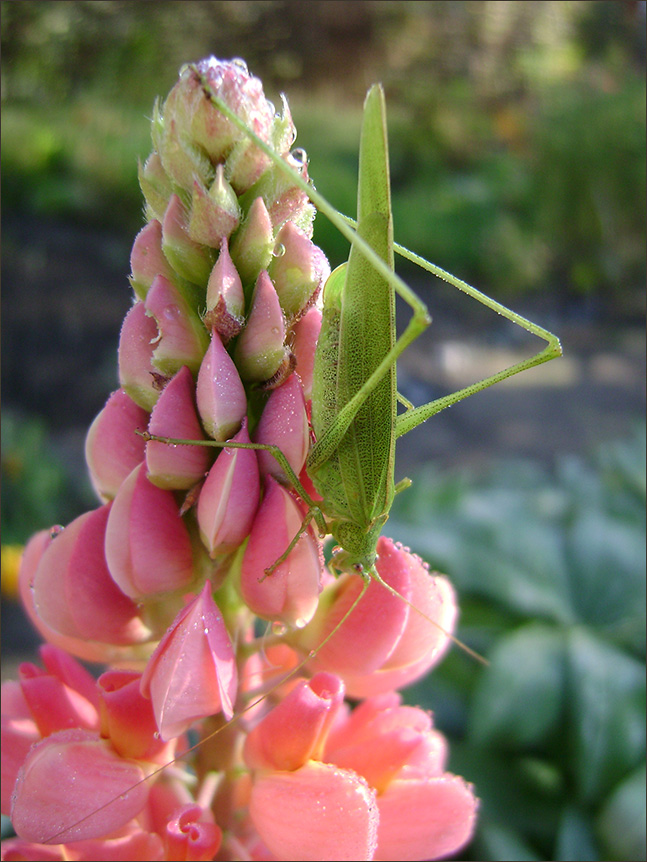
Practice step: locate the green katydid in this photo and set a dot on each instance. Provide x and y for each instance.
(355, 394)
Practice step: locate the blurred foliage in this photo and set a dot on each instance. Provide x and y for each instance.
(37, 488)
(550, 572)
(517, 128)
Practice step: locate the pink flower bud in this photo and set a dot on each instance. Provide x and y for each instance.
(137, 374)
(284, 423)
(299, 272)
(260, 350)
(221, 398)
(286, 201)
(192, 673)
(373, 659)
(251, 248)
(290, 594)
(127, 718)
(189, 259)
(181, 158)
(74, 593)
(174, 415)
(65, 784)
(295, 731)
(225, 298)
(155, 186)
(215, 213)
(148, 549)
(305, 334)
(147, 259)
(318, 812)
(229, 498)
(112, 448)
(182, 338)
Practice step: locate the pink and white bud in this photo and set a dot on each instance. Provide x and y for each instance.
(304, 343)
(174, 415)
(225, 297)
(74, 786)
(284, 423)
(147, 546)
(295, 731)
(138, 376)
(112, 447)
(215, 213)
(221, 398)
(181, 158)
(284, 199)
(298, 272)
(291, 592)
(187, 257)
(155, 186)
(192, 673)
(251, 247)
(260, 350)
(74, 593)
(410, 639)
(182, 337)
(229, 498)
(147, 259)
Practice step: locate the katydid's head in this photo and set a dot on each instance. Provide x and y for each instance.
(358, 546)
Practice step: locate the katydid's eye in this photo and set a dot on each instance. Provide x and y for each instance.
(358, 567)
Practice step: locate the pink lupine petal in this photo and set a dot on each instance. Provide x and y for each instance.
(284, 423)
(229, 498)
(183, 339)
(74, 592)
(191, 836)
(295, 730)
(54, 706)
(319, 812)
(174, 415)
(221, 398)
(64, 784)
(425, 819)
(225, 297)
(127, 717)
(139, 845)
(299, 272)
(112, 446)
(187, 257)
(215, 213)
(147, 546)
(305, 334)
(260, 347)
(291, 592)
(17, 850)
(58, 663)
(192, 673)
(19, 733)
(137, 340)
(147, 259)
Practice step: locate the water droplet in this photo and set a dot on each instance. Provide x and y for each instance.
(278, 250)
(299, 155)
(240, 64)
(279, 628)
(300, 623)
(156, 735)
(206, 631)
(312, 653)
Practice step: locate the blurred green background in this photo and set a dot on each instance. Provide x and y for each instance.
(517, 135)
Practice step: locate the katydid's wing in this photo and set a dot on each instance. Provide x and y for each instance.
(357, 333)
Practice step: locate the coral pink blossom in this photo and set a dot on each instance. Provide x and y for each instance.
(260, 349)
(112, 446)
(147, 545)
(305, 334)
(229, 498)
(284, 423)
(291, 592)
(385, 643)
(192, 673)
(174, 415)
(74, 593)
(222, 402)
(137, 374)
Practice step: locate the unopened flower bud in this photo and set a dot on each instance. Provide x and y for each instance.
(112, 447)
(284, 423)
(214, 213)
(284, 199)
(181, 158)
(251, 248)
(299, 272)
(222, 402)
(304, 343)
(174, 415)
(182, 336)
(187, 257)
(148, 549)
(225, 297)
(155, 185)
(137, 374)
(260, 350)
(229, 498)
(147, 259)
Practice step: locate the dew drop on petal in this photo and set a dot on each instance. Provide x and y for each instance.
(278, 250)
(279, 628)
